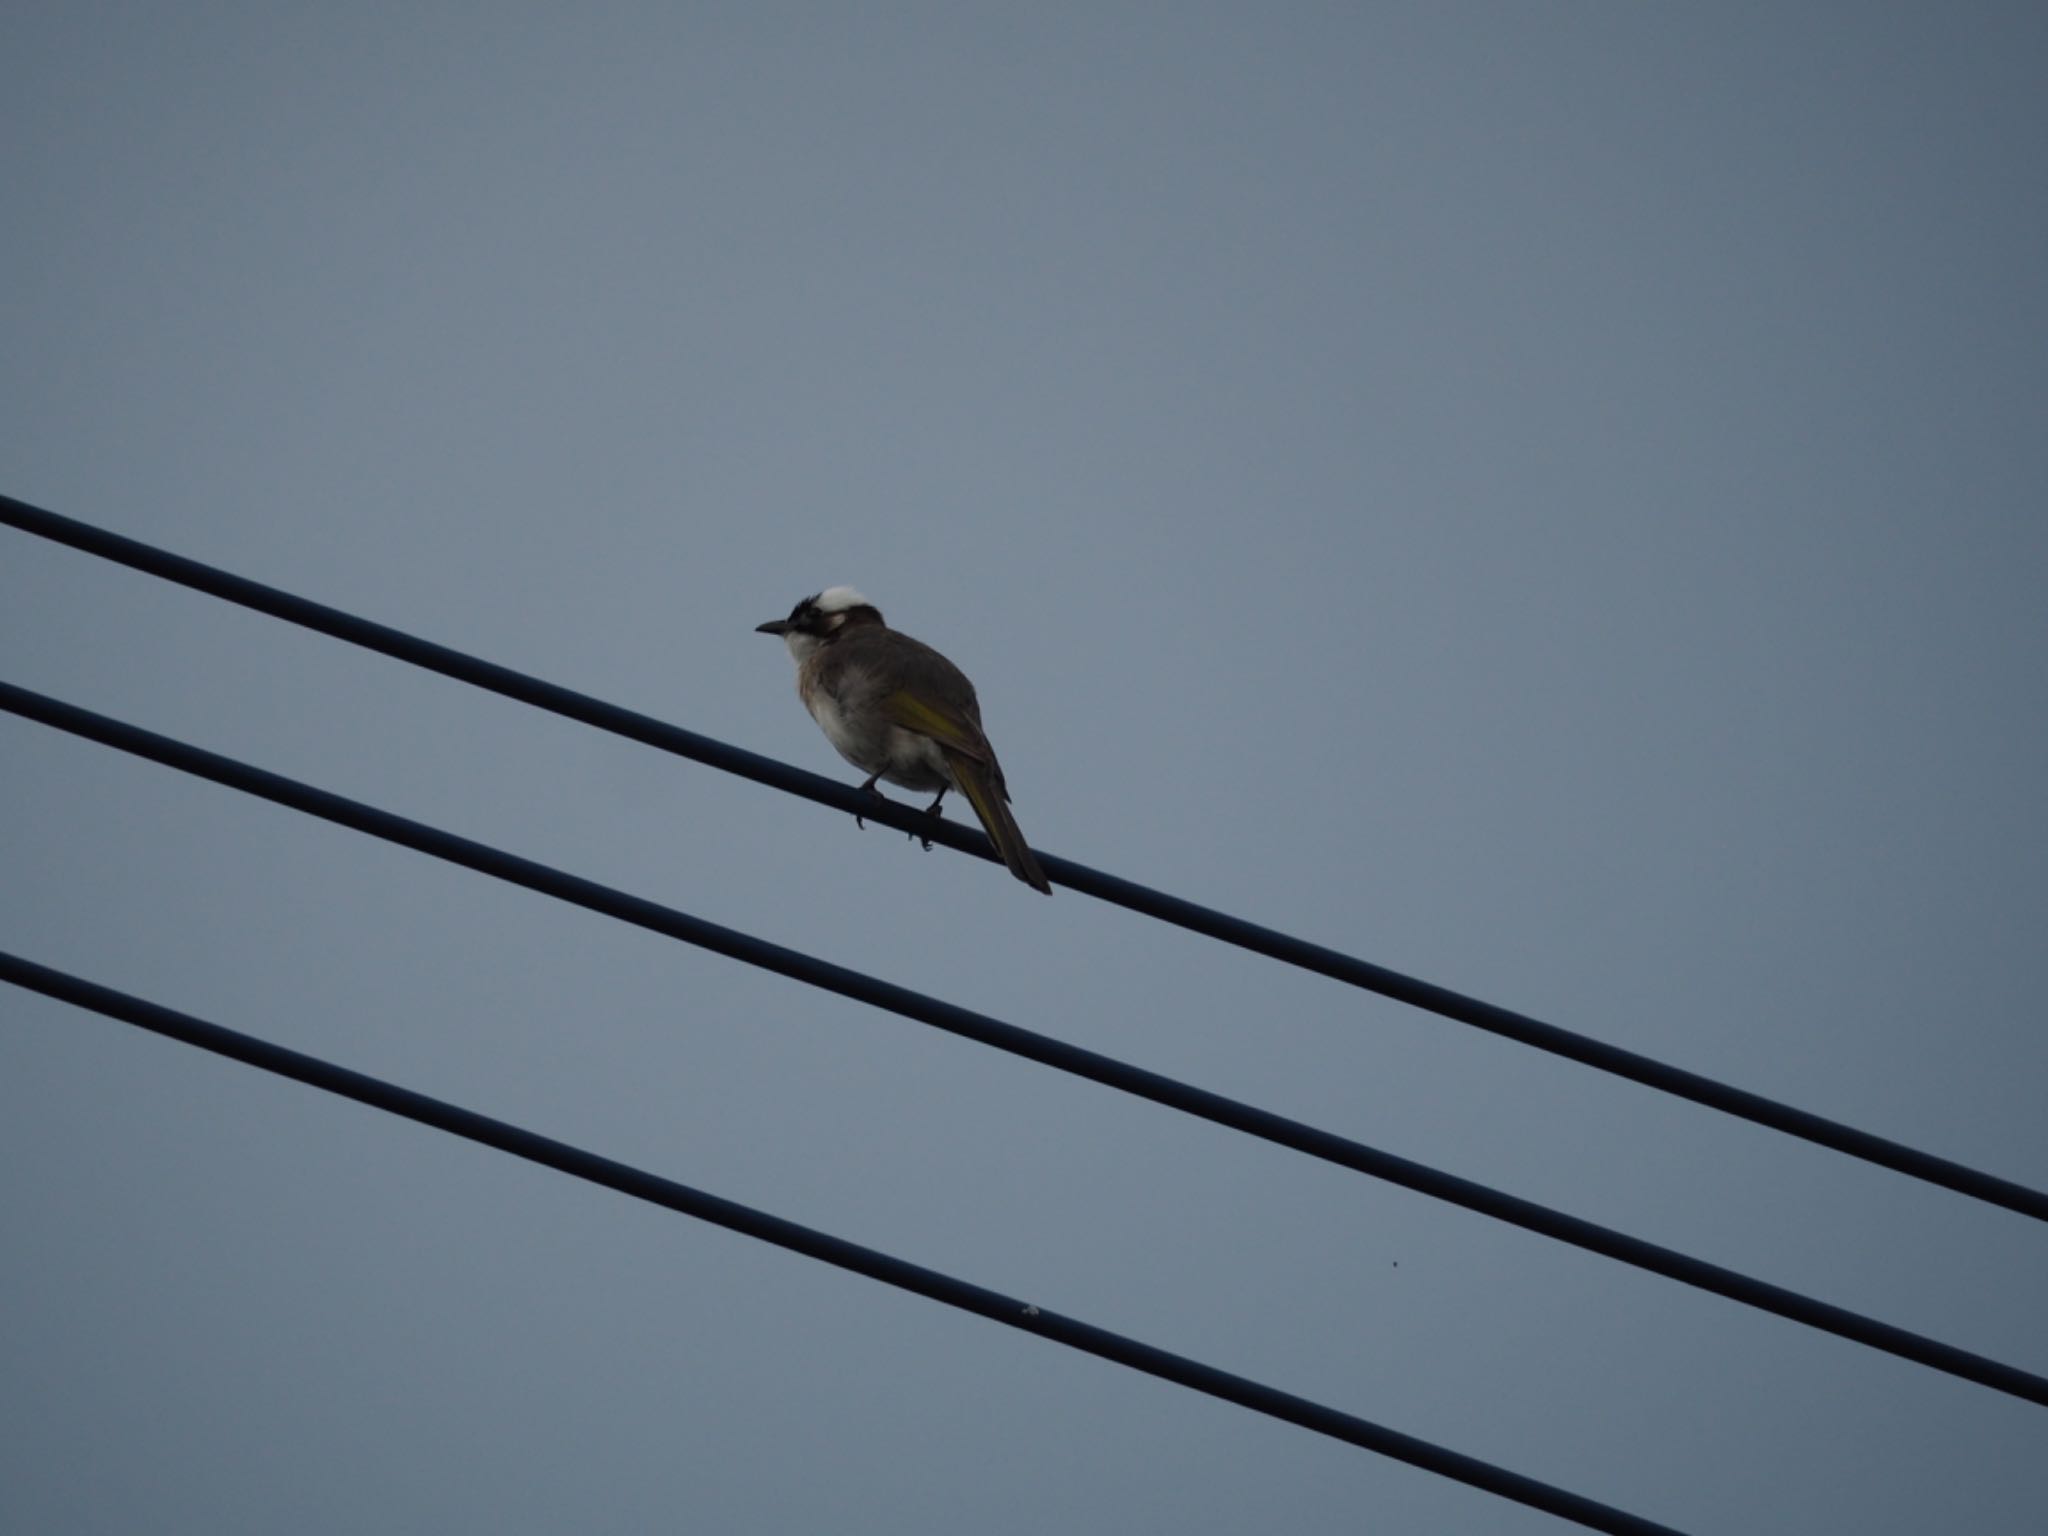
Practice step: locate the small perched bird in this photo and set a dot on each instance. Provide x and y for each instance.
(898, 710)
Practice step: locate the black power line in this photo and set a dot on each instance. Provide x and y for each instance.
(1058, 1054)
(1125, 893)
(993, 1305)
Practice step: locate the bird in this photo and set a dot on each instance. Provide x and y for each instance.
(898, 710)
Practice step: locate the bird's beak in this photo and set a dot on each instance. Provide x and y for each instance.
(773, 627)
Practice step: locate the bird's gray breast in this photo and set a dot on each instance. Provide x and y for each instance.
(844, 693)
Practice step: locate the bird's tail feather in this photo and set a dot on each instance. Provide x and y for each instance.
(997, 822)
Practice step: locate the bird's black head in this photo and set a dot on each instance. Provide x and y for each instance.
(822, 615)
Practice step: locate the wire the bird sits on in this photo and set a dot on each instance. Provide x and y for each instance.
(1023, 1042)
(1324, 961)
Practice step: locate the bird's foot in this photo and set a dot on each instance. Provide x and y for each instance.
(936, 814)
(869, 789)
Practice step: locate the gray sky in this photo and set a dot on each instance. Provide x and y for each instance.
(1548, 498)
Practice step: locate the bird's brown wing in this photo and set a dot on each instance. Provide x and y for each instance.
(925, 715)
(934, 698)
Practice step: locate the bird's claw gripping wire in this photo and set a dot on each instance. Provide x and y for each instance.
(869, 789)
(936, 814)
(931, 810)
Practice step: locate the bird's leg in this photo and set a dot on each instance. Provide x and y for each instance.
(933, 810)
(869, 789)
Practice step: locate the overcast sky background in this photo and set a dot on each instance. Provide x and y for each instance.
(1549, 498)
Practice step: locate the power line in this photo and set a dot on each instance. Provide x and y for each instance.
(1008, 1310)
(1057, 1054)
(1125, 893)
